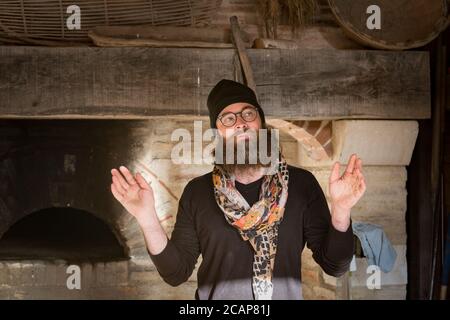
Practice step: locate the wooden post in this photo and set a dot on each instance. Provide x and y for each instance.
(245, 62)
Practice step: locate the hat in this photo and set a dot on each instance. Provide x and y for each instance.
(227, 92)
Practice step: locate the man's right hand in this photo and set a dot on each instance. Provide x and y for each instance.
(135, 194)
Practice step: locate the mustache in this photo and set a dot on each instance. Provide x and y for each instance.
(241, 131)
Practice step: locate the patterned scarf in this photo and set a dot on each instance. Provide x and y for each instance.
(257, 224)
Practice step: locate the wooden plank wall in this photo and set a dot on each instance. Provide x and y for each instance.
(83, 82)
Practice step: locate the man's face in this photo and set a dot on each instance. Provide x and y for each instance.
(239, 124)
(239, 128)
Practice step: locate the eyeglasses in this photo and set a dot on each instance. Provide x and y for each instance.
(248, 114)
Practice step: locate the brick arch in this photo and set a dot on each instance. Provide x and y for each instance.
(63, 233)
(127, 239)
(314, 136)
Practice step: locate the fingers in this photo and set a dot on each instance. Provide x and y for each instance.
(362, 186)
(128, 176)
(359, 164)
(361, 183)
(358, 169)
(121, 182)
(118, 185)
(351, 164)
(142, 182)
(334, 172)
(116, 193)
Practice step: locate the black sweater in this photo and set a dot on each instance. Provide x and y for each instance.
(226, 269)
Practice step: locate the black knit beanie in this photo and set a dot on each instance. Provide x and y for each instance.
(227, 92)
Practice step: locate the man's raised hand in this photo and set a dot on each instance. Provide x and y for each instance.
(134, 193)
(346, 190)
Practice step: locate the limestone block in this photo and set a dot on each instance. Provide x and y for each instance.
(144, 277)
(381, 181)
(307, 292)
(15, 273)
(310, 277)
(396, 292)
(329, 280)
(39, 273)
(50, 274)
(142, 264)
(61, 273)
(308, 261)
(162, 291)
(377, 142)
(139, 253)
(99, 272)
(4, 274)
(116, 273)
(398, 275)
(87, 276)
(320, 293)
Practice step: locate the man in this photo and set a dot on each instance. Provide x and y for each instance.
(249, 225)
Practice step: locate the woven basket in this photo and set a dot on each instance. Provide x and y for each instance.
(46, 19)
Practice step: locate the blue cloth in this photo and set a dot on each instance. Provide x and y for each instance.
(376, 246)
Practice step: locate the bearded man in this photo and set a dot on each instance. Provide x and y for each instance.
(250, 221)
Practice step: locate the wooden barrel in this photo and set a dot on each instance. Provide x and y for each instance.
(403, 24)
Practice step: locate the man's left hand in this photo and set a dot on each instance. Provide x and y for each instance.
(345, 191)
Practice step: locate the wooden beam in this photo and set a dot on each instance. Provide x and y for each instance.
(267, 43)
(165, 36)
(84, 82)
(243, 57)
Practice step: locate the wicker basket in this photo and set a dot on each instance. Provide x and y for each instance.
(46, 19)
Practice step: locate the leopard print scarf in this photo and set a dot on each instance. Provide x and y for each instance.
(257, 224)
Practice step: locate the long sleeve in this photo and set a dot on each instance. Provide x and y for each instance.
(177, 260)
(332, 249)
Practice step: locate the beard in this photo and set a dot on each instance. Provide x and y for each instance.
(258, 150)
